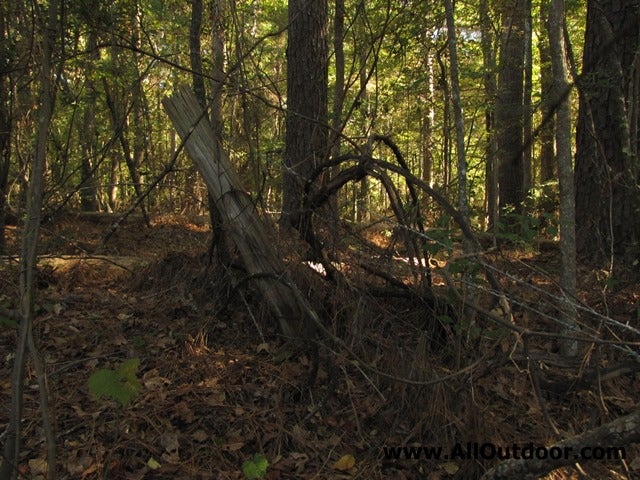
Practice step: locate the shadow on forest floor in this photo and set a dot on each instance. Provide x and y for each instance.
(214, 396)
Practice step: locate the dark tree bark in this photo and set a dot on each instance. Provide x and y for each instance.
(337, 109)
(569, 347)
(607, 197)
(10, 458)
(88, 132)
(443, 84)
(527, 108)
(509, 109)
(490, 88)
(548, 170)
(5, 120)
(306, 139)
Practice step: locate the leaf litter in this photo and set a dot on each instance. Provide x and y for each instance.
(212, 401)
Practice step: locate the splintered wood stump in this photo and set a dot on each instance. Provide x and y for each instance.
(253, 238)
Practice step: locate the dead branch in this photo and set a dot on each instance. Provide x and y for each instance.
(621, 432)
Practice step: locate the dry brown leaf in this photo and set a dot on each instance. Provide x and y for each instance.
(38, 466)
(184, 412)
(200, 436)
(232, 447)
(215, 399)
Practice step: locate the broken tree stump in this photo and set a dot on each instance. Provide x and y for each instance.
(253, 238)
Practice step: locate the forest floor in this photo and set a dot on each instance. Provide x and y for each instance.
(216, 394)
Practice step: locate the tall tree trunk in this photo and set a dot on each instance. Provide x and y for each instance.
(490, 88)
(509, 108)
(11, 454)
(446, 122)
(527, 108)
(215, 112)
(337, 108)
(427, 118)
(463, 204)
(548, 166)
(607, 200)
(565, 171)
(306, 139)
(6, 122)
(88, 134)
(363, 195)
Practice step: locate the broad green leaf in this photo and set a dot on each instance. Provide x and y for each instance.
(121, 385)
(256, 467)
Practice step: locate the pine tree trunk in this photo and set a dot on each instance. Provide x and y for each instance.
(306, 138)
(509, 109)
(607, 198)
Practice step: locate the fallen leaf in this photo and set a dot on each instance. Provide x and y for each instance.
(169, 441)
(346, 462)
(232, 447)
(38, 466)
(200, 436)
(450, 468)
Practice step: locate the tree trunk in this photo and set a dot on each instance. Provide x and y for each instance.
(336, 111)
(565, 172)
(607, 200)
(28, 258)
(548, 166)
(5, 123)
(490, 88)
(446, 123)
(252, 237)
(509, 108)
(88, 131)
(463, 204)
(306, 138)
(427, 118)
(527, 108)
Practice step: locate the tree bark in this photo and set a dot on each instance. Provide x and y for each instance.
(5, 120)
(565, 171)
(607, 200)
(306, 139)
(251, 236)
(490, 88)
(28, 258)
(463, 204)
(546, 136)
(509, 108)
(88, 131)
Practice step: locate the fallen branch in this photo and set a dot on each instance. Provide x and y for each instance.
(619, 433)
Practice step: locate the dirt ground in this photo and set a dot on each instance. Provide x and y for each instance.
(217, 393)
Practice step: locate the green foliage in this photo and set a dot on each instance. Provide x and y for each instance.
(438, 240)
(6, 322)
(540, 219)
(121, 385)
(255, 467)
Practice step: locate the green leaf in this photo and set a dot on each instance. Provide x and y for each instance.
(256, 467)
(121, 385)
